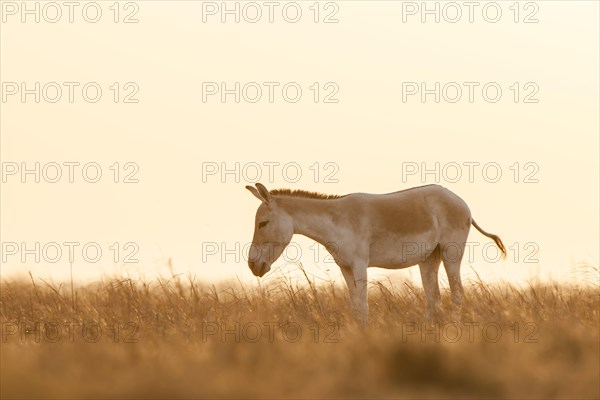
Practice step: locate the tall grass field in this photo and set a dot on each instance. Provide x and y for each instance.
(178, 338)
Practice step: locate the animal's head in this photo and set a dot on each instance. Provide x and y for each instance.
(273, 231)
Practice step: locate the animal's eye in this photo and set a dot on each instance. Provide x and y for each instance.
(262, 224)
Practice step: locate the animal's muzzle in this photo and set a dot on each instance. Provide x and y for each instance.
(258, 269)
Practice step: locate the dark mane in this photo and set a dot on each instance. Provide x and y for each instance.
(304, 193)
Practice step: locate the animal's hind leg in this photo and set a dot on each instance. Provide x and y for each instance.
(452, 257)
(429, 275)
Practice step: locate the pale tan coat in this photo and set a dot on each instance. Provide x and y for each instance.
(425, 225)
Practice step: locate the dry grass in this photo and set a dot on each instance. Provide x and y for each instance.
(183, 349)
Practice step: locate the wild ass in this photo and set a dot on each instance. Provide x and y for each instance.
(423, 225)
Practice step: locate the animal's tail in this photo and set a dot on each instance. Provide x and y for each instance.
(495, 238)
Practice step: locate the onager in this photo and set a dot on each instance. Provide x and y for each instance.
(424, 225)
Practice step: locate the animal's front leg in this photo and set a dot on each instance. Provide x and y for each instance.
(362, 298)
(356, 279)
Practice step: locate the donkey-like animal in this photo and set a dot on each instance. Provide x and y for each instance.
(424, 225)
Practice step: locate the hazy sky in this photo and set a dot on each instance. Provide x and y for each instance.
(516, 98)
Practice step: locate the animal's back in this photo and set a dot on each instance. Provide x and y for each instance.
(412, 211)
(428, 198)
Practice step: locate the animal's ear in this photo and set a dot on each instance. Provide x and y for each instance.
(253, 190)
(263, 192)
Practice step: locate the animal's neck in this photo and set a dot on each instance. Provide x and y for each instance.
(312, 217)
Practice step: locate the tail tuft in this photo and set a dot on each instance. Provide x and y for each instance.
(495, 238)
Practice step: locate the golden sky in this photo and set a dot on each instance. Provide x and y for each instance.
(359, 125)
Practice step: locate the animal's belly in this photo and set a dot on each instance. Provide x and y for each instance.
(393, 265)
(396, 253)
